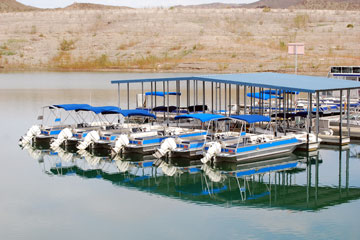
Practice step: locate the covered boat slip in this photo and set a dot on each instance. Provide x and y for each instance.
(192, 147)
(220, 91)
(85, 119)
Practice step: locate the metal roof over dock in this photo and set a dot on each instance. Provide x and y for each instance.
(288, 82)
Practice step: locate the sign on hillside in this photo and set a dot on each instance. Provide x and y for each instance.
(296, 49)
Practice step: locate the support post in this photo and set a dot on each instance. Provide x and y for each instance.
(284, 106)
(212, 97)
(245, 100)
(284, 112)
(194, 93)
(163, 87)
(317, 116)
(142, 94)
(225, 106)
(151, 96)
(251, 100)
(188, 94)
(197, 93)
(128, 96)
(118, 102)
(216, 97)
(203, 86)
(348, 112)
(155, 93)
(341, 116)
(270, 110)
(237, 99)
(276, 112)
(118, 95)
(177, 97)
(220, 97)
(168, 102)
(347, 171)
(229, 100)
(309, 120)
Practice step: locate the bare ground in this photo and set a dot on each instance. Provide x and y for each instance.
(178, 40)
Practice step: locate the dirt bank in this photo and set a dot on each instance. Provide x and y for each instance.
(178, 40)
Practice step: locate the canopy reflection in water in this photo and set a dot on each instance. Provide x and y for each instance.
(271, 183)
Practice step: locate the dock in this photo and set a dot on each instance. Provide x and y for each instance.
(271, 124)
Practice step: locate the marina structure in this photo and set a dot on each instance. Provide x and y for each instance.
(222, 97)
(165, 120)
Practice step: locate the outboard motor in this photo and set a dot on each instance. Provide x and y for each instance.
(213, 150)
(121, 142)
(31, 133)
(90, 138)
(166, 146)
(63, 135)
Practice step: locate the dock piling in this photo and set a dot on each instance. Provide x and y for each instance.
(341, 116)
(317, 117)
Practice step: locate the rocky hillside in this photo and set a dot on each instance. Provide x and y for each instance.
(14, 6)
(92, 6)
(274, 3)
(330, 4)
(214, 5)
(178, 40)
(308, 4)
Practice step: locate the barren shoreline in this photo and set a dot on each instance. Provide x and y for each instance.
(178, 40)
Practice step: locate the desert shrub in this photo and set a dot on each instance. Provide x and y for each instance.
(266, 9)
(33, 29)
(67, 45)
(176, 47)
(350, 25)
(103, 60)
(198, 46)
(282, 45)
(127, 45)
(301, 20)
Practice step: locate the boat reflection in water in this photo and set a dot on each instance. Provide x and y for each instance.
(288, 183)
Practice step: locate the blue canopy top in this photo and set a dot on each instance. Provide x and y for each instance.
(162, 94)
(136, 112)
(264, 96)
(279, 81)
(203, 117)
(74, 107)
(106, 110)
(252, 118)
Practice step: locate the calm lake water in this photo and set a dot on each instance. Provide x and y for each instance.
(45, 197)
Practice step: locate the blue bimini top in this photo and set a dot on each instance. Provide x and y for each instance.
(203, 117)
(136, 112)
(162, 94)
(264, 96)
(74, 107)
(106, 110)
(251, 118)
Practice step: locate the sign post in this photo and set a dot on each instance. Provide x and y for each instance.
(296, 49)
